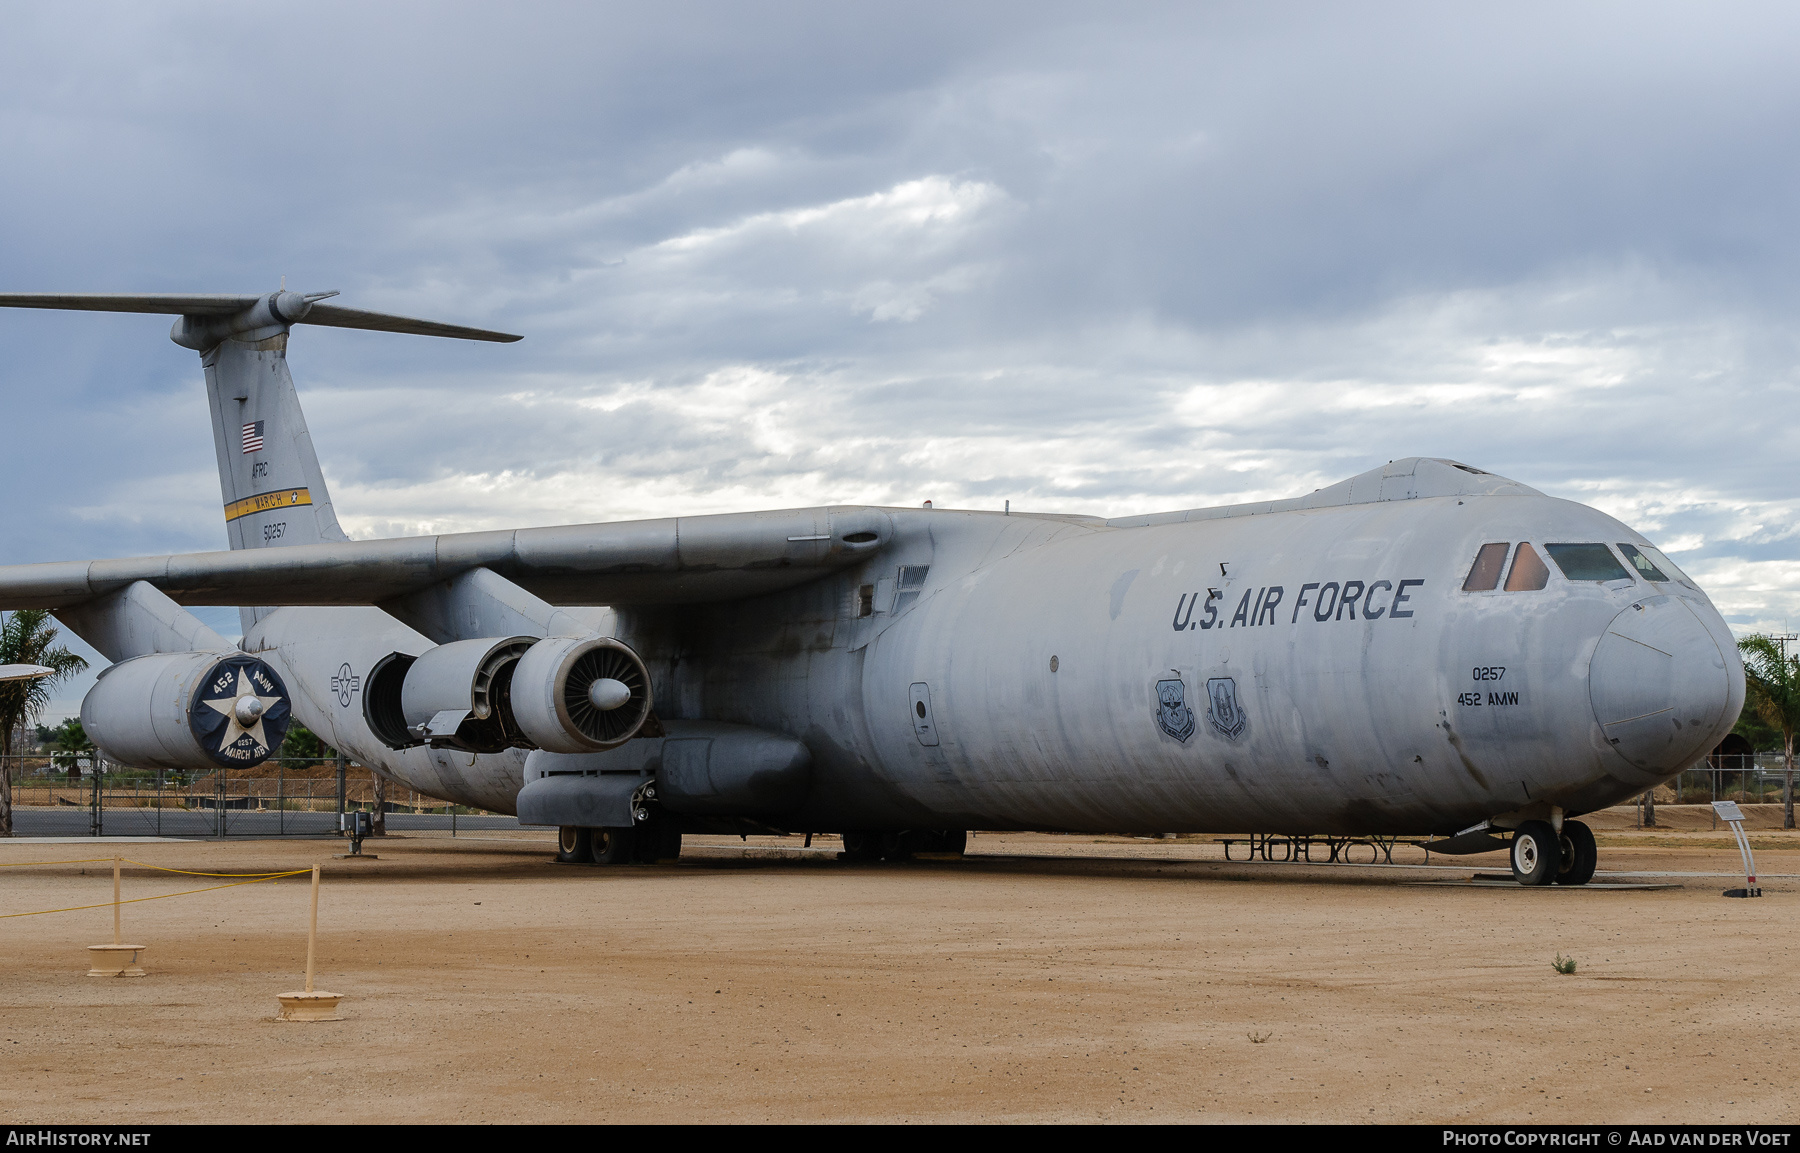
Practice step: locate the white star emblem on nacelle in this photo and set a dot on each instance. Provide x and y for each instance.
(245, 711)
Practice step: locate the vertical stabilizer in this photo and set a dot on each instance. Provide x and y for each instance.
(268, 472)
(269, 475)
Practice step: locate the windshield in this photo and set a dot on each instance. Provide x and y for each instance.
(1642, 563)
(1484, 574)
(1528, 572)
(1587, 562)
(1662, 562)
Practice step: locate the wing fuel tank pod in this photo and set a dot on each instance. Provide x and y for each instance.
(187, 711)
(713, 769)
(580, 694)
(702, 769)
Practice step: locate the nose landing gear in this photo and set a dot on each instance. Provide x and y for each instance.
(1542, 856)
(1535, 853)
(1580, 855)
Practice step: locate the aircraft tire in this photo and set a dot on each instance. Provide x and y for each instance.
(658, 841)
(574, 845)
(1580, 856)
(613, 846)
(934, 841)
(1536, 854)
(862, 847)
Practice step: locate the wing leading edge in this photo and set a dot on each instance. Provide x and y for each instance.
(681, 560)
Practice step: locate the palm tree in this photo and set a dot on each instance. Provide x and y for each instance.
(1772, 692)
(72, 746)
(26, 638)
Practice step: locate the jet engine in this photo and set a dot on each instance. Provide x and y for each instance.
(564, 694)
(199, 710)
(459, 695)
(580, 694)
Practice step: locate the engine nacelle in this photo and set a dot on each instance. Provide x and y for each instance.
(188, 711)
(565, 694)
(580, 694)
(459, 695)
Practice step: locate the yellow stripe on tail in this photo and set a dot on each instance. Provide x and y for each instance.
(263, 502)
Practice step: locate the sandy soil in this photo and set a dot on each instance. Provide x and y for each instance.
(1043, 978)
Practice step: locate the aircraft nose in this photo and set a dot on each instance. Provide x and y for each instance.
(1661, 685)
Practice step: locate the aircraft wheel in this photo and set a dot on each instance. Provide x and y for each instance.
(933, 841)
(1536, 855)
(862, 846)
(613, 846)
(1580, 856)
(574, 846)
(658, 841)
(668, 845)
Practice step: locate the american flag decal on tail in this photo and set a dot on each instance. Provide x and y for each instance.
(253, 436)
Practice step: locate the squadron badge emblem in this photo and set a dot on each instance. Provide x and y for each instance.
(1172, 714)
(1223, 712)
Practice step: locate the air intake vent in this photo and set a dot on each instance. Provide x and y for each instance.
(606, 663)
(581, 694)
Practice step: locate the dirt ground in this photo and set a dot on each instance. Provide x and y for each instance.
(1042, 978)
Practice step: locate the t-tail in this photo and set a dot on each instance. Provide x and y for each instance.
(274, 493)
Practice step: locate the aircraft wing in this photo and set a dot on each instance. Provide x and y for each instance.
(24, 672)
(681, 560)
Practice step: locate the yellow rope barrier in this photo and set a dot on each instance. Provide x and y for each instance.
(83, 861)
(188, 893)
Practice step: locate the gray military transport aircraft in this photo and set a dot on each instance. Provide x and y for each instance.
(1422, 649)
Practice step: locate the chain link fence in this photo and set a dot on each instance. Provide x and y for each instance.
(65, 797)
(1758, 780)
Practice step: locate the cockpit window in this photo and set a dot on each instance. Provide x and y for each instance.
(1587, 562)
(1642, 563)
(1484, 576)
(1528, 572)
(1664, 563)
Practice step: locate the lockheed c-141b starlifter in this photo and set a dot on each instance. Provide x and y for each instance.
(1425, 648)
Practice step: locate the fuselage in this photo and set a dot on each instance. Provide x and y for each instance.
(1318, 670)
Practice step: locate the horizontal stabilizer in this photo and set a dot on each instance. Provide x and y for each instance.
(168, 303)
(336, 317)
(290, 308)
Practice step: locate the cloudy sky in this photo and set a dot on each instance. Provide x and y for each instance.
(768, 255)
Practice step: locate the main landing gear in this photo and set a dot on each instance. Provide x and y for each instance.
(904, 845)
(1542, 856)
(652, 842)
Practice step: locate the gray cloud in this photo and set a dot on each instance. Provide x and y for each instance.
(807, 253)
